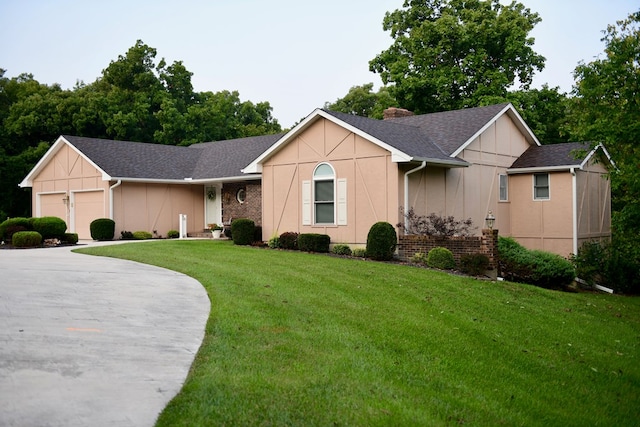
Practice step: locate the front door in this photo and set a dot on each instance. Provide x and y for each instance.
(213, 204)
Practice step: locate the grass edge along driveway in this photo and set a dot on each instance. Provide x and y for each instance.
(303, 339)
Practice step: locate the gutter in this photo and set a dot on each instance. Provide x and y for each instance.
(574, 202)
(406, 187)
(117, 184)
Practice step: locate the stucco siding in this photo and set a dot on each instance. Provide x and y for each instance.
(371, 183)
(156, 207)
(470, 192)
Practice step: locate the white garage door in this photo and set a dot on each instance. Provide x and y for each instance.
(87, 206)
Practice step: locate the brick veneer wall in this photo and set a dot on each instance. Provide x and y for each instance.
(252, 206)
(486, 244)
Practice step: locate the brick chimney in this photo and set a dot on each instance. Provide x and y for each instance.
(394, 113)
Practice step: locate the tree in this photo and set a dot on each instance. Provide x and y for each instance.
(362, 101)
(450, 54)
(606, 109)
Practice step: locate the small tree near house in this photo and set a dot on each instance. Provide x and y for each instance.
(435, 225)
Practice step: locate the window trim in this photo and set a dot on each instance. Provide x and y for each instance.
(502, 176)
(315, 202)
(535, 187)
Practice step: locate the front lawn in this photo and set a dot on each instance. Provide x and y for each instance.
(303, 339)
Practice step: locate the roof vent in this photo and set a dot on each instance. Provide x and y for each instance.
(394, 113)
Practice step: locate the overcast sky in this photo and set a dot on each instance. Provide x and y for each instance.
(295, 54)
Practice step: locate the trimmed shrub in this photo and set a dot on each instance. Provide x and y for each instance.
(50, 227)
(27, 239)
(381, 241)
(419, 258)
(441, 258)
(127, 235)
(102, 229)
(142, 235)
(242, 230)
(289, 240)
(257, 233)
(359, 252)
(173, 234)
(274, 242)
(70, 238)
(13, 225)
(314, 242)
(474, 264)
(539, 268)
(341, 249)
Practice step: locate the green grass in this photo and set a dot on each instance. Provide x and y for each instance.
(302, 339)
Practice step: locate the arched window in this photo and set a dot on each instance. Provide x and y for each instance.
(324, 194)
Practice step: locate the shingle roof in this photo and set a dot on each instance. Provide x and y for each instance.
(430, 136)
(554, 155)
(137, 160)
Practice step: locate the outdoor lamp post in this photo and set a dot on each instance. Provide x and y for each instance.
(490, 220)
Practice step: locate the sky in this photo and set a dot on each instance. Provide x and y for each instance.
(294, 54)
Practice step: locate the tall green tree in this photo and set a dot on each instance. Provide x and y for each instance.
(451, 54)
(363, 101)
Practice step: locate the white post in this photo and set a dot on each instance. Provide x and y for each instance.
(183, 226)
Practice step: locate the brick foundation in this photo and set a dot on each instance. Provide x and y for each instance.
(486, 244)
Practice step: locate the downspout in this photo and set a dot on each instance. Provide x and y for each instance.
(574, 202)
(117, 184)
(406, 188)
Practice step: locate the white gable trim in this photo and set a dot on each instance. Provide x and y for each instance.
(51, 152)
(256, 165)
(593, 152)
(519, 122)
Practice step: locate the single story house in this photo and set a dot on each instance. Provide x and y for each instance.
(337, 174)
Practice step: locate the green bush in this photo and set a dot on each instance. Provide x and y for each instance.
(274, 242)
(257, 234)
(615, 265)
(474, 264)
(359, 252)
(289, 240)
(419, 258)
(173, 234)
(142, 235)
(70, 238)
(314, 242)
(26, 239)
(102, 229)
(13, 225)
(340, 249)
(381, 241)
(441, 258)
(242, 230)
(534, 267)
(50, 227)
(126, 235)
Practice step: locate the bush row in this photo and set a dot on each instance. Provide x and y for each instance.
(49, 227)
(534, 267)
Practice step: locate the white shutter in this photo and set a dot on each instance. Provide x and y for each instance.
(342, 201)
(306, 202)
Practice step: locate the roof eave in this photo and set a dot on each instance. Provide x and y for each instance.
(561, 168)
(453, 163)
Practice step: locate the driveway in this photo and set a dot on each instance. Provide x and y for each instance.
(92, 341)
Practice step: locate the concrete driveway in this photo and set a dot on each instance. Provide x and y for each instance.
(92, 341)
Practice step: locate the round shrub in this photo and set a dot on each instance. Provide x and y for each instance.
(341, 249)
(27, 239)
(242, 230)
(289, 240)
(419, 258)
(381, 241)
(50, 227)
(257, 234)
(13, 225)
(474, 264)
(142, 235)
(173, 234)
(274, 242)
(441, 258)
(70, 238)
(314, 242)
(359, 252)
(102, 229)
